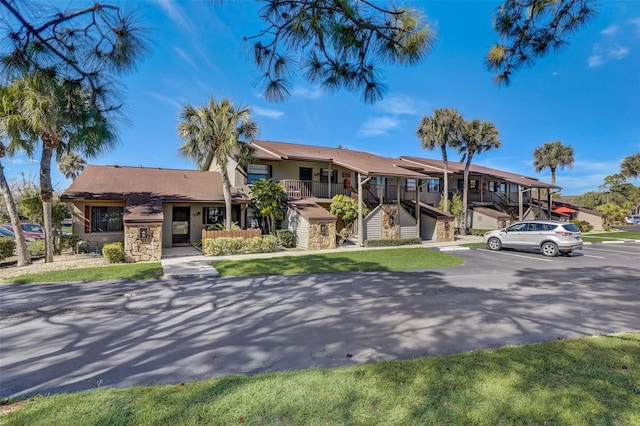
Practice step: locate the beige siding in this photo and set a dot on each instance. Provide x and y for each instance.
(373, 225)
(99, 238)
(408, 224)
(300, 228)
(427, 227)
(596, 221)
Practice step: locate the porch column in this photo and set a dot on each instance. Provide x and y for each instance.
(329, 178)
(549, 203)
(360, 202)
(520, 202)
(381, 189)
(418, 209)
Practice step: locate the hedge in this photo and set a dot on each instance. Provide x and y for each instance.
(390, 243)
(235, 245)
(114, 252)
(7, 247)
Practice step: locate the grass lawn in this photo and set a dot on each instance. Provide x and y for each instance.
(588, 381)
(598, 237)
(397, 259)
(129, 271)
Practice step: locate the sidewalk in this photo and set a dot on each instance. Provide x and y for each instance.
(189, 262)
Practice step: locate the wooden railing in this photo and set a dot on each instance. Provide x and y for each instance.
(243, 233)
(313, 189)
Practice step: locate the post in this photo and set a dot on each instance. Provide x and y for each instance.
(520, 202)
(360, 218)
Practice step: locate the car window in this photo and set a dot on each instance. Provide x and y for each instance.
(536, 227)
(549, 226)
(517, 227)
(570, 227)
(31, 228)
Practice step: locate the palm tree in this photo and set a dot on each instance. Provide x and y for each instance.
(442, 130)
(65, 117)
(630, 166)
(71, 164)
(552, 155)
(477, 137)
(212, 134)
(10, 124)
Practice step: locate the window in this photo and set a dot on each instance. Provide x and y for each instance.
(411, 184)
(460, 185)
(106, 219)
(473, 184)
(492, 186)
(433, 185)
(324, 175)
(503, 187)
(212, 215)
(255, 172)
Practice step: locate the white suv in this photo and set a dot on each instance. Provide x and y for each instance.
(551, 237)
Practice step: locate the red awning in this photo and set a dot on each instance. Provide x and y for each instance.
(565, 210)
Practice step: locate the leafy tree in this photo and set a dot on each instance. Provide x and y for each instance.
(337, 43)
(613, 212)
(71, 164)
(212, 136)
(630, 166)
(87, 46)
(442, 130)
(591, 199)
(11, 123)
(269, 201)
(344, 207)
(477, 137)
(456, 207)
(532, 28)
(64, 117)
(552, 155)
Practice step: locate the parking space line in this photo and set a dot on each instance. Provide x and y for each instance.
(612, 251)
(596, 257)
(516, 255)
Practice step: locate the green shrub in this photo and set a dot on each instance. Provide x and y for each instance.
(36, 248)
(584, 226)
(7, 246)
(389, 243)
(474, 231)
(114, 252)
(285, 238)
(234, 245)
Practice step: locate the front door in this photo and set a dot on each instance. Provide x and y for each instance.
(180, 225)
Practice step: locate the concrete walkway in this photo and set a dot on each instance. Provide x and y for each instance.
(189, 262)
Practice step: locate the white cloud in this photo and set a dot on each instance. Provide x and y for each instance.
(173, 10)
(618, 52)
(610, 30)
(595, 61)
(265, 112)
(555, 73)
(166, 99)
(303, 92)
(378, 126)
(185, 57)
(398, 105)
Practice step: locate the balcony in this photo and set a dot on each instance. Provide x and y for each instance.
(297, 189)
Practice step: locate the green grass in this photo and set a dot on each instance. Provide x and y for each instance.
(129, 271)
(608, 236)
(588, 381)
(397, 259)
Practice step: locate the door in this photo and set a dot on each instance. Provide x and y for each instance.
(180, 225)
(514, 235)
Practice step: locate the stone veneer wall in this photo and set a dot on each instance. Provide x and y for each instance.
(390, 232)
(444, 231)
(148, 249)
(319, 241)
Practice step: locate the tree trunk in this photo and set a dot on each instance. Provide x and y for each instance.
(46, 193)
(465, 199)
(24, 258)
(226, 190)
(445, 181)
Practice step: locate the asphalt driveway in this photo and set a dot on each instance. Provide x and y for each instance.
(67, 337)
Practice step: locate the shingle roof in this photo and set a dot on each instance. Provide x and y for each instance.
(310, 210)
(145, 189)
(168, 185)
(362, 162)
(431, 165)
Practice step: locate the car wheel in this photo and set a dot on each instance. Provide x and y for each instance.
(494, 244)
(549, 249)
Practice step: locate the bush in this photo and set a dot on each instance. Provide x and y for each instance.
(114, 252)
(285, 238)
(584, 226)
(7, 247)
(234, 245)
(390, 243)
(480, 232)
(36, 248)
(68, 241)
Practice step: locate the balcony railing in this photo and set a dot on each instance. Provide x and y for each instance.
(313, 189)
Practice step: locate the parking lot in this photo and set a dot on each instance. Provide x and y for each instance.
(624, 254)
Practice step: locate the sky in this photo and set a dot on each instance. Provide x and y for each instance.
(586, 95)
